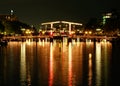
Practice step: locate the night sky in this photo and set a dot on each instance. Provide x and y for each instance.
(37, 11)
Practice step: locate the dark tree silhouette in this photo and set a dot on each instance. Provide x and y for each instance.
(2, 27)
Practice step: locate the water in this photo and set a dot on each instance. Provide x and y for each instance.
(58, 63)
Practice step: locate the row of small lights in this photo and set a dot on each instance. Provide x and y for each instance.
(71, 32)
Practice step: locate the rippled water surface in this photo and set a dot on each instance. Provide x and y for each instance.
(57, 63)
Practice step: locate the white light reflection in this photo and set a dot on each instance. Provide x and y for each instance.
(73, 41)
(78, 41)
(45, 39)
(51, 65)
(98, 64)
(70, 65)
(23, 65)
(90, 70)
(28, 41)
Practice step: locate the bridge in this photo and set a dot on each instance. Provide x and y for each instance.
(20, 38)
(64, 22)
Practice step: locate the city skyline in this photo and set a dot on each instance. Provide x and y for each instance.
(38, 11)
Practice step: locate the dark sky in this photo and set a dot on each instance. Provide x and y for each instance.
(37, 11)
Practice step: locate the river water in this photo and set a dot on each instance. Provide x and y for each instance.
(59, 63)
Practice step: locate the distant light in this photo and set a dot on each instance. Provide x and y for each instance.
(109, 14)
(90, 32)
(23, 29)
(86, 32)
(11, 12)
(43, 32)
(51, 33)
(98, 29)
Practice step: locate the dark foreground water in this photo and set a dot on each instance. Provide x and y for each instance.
(59, 64)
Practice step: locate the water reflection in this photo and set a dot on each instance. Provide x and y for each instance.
(51, 66)
(43, 43)
(90, 70)
(28, 41)
(98, 64)
(25, 77)
(23, 65)
(55, 63)
(106, 54)
(70, 76)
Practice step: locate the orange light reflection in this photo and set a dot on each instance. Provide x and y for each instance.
(70, 65)
(51, 66)
(90, 70)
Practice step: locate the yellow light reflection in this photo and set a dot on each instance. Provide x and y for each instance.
(106, 62)
(70, 65)
(98, 64)
(43, 43)
(51, 66)
(90, 70)
(23, 64)
(65, 40)
(40, 43)
(64, 44)
(88, 41)
(107, 49)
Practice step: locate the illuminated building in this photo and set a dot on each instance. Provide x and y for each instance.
(110, 15)
(105, 17)
(110, 22)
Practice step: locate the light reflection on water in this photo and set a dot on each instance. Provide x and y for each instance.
(98, 64)
(56, 63)
(23, 64)
(51, 65)
(90, 70)
(70, 74)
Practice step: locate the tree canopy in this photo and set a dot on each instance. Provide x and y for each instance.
(12, 26)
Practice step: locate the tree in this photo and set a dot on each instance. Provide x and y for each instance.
(14, 27)
(92, 24)
(2, 27)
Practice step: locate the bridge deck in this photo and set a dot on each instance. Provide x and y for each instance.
(86, 37)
